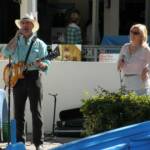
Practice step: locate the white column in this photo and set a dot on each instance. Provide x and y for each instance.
(28, 6)
(23, 8)
(111, 18)
(34, 8)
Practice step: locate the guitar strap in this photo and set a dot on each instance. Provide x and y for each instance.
(29, 50)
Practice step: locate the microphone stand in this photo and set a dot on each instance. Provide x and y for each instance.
(9, 97)
(54, 112)
(121, 82)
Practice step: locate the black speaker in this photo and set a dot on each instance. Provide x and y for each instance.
(71, 128)
(70, 124)
(70, 114)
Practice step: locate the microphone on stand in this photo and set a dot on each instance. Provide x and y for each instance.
(19, 34)
(123, 59)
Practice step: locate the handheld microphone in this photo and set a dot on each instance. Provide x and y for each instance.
(18, 34)
(123, 59)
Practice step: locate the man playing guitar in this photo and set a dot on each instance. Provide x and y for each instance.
(28, 86)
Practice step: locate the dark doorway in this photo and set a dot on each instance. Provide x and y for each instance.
(51, 16)
(9, 11)
(44, 20)
(131, 12)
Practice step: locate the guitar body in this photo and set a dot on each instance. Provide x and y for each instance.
(14, 72)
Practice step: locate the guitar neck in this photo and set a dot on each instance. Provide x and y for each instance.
(51, 55)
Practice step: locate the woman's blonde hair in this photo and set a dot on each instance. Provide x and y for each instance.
(143, 31)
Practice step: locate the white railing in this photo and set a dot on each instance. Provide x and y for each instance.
(92, 52)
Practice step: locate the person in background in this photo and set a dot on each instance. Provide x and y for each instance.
(134, 61)
(73, 31)
(30, 85)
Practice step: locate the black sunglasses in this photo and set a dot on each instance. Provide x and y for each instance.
(135, 32)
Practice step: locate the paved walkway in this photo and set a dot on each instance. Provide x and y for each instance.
(48, 144)
(29, 146)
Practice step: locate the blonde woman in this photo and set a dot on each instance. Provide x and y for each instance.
(134, 61)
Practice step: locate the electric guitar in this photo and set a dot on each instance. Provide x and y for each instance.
(13, 72)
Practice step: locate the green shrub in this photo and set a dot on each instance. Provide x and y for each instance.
(108, 110)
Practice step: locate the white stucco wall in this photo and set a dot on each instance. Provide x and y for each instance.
(70, 80)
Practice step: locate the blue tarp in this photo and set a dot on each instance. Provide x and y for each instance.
(132, 137)
(115, 40)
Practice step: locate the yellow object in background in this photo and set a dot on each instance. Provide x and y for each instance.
(69, 52)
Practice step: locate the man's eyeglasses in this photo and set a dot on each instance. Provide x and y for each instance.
(135, 32)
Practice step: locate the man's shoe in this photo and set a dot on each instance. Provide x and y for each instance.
(40, 147)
